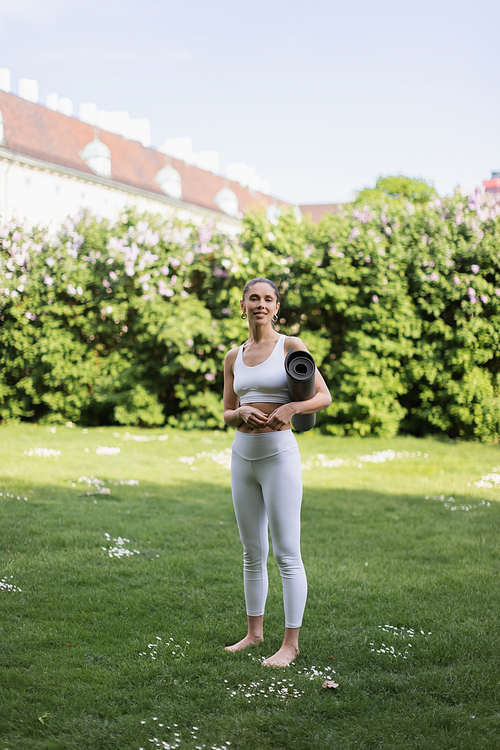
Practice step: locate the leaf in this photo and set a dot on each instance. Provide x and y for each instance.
(42, 717)
(329, 684)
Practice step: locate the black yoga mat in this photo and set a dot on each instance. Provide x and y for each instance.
(301, 378)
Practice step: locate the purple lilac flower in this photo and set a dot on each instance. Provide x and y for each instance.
(179, 236)
(475, 200)
(164, 290)
(205, 234)
(117, 243)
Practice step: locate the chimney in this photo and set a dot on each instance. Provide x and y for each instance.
(5, 79)
(88, 113)
(65, 106)
(52, 101)
(28, 89)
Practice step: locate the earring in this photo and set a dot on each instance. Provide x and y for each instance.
(243, 315)
(275, 318)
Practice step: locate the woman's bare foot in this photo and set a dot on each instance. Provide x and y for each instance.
(246, 642)
(283, 657)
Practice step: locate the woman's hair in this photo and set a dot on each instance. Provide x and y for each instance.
(263, 281)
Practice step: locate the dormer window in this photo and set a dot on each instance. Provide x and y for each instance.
(227, 202)
(273, 213)
(97, 156)
(169, 180)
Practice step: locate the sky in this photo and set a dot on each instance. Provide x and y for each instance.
(321, 98)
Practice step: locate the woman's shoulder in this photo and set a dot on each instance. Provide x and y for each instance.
(231, 355)
(293, 342)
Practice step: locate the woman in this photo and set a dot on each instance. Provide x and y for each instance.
(266, 477)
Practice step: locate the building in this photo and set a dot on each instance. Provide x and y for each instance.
(493, 186)
(317, 210)
(53, 164)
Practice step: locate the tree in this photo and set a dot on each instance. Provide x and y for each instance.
(398, 187)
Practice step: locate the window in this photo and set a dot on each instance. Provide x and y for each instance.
(97, 156)
(227, 202)
(169, 180)
(273, 213)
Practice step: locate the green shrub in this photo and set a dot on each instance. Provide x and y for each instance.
(128, 323)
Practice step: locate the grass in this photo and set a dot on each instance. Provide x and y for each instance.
(81, 662)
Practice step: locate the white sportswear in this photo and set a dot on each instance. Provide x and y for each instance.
(266, 482)
(264, 383)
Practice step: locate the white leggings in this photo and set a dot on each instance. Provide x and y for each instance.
(266, 482)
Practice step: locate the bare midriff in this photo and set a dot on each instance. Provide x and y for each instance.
(267, 408)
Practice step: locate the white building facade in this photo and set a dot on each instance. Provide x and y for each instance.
(52, 165)
(34, 192)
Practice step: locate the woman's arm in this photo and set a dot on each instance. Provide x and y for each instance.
(231, 416)
(282, 416)
(235, 415)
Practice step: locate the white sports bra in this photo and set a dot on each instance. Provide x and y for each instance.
(265, 382)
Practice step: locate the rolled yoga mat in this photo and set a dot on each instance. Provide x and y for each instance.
(300, 371)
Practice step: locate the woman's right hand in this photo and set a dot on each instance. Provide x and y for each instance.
(252, 417)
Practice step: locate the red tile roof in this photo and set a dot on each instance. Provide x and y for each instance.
(33, 130)
(493, 185)
(316, 211)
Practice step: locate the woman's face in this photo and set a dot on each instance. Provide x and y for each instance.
(260, 303)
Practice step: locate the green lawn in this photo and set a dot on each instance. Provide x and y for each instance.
(402, 610)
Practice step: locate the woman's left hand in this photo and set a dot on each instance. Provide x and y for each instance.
(280, 417)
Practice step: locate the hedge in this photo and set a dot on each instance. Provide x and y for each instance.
(128, 322)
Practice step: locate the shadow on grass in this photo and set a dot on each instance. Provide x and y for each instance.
(363, 550)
